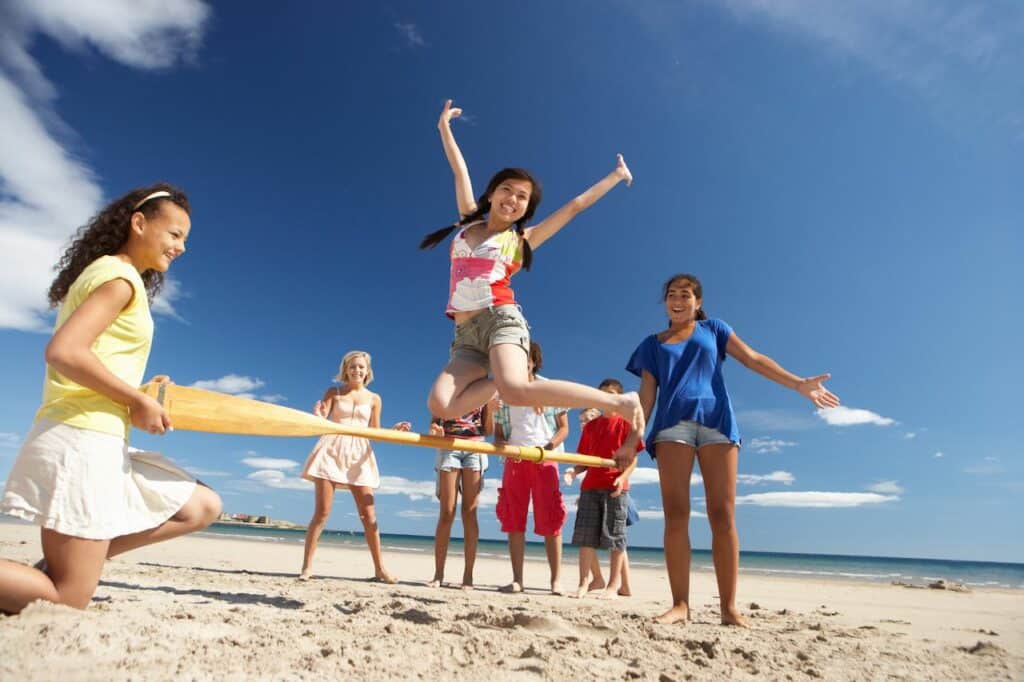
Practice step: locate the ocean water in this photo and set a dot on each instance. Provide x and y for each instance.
(980, 574)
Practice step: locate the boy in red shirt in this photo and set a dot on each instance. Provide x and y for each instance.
(603, 502)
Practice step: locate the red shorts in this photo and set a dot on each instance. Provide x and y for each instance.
(521, 481)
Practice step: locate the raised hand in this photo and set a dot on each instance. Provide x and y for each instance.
(813, 388)
(435, 430)
(448, 113)
(402, 426)
(623, 170)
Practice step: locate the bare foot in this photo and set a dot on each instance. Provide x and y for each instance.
(596, 584)
(580, 592)
(385, 577)
(305, 575)
(436, 582)
(512, 588)
(732, 616)
(632, 411)
(610, 593)
(625, 592)
(556, 589)
(676, 614)
(467, 587)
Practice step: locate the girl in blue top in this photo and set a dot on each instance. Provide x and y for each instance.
(681, 368)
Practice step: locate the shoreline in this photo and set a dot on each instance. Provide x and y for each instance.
(213, 607)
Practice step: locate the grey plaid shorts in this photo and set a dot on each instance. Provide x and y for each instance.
(601, 520)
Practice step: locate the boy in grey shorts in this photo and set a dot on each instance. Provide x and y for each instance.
(603, 503)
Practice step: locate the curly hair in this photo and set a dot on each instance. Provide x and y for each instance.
(107, 232)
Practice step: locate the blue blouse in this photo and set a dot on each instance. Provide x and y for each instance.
(690, 382)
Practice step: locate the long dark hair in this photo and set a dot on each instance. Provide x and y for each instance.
(695, 286)
(107, 232)
(483, 207)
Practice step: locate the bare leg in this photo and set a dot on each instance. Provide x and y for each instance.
(588, 556)
(461, 387)
(675, 464)
(449, 497)
(74, 566)
(470, 525)
(201, 509)
(553, 549)
(718, 465)
(508, 364)
(618, 559)
(517, 553)
(368, 515)
(324, 491)
(595, 570)
(625, 590)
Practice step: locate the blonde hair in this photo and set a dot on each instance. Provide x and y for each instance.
(349, 357)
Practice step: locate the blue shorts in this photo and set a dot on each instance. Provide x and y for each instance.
(453, 460)
(691, 433)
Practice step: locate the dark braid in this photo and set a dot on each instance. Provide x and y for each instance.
(483, 207)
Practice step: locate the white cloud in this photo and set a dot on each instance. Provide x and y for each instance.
(417, 514)
(35, 220)
(643, 475)
(910, 435)
(660, 513)
(783, 477)
(814, 499)
(988, 466)
(201, 473)
(273, 478)
(239, 386)
(411, 33)
(853, 416)
(769, 444)
(269, 463)
(234, 384)
(414, 490)
(939, 454)
(9, 440)
(886, 488)
(776, 420)
(962, 56)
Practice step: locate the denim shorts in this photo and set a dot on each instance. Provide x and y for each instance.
(501, 324)
(691, 433)
(453, 460)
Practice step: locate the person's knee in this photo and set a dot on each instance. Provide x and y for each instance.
(677, 514)
(469, 515)
(446, 517)
(75, 596)
(721, 516)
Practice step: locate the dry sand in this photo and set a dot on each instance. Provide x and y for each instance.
(217, 608)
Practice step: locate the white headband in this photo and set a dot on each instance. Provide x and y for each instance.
(154, 195)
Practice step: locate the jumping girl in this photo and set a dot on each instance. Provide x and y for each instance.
(75, 476)
(681, 368)
(491, 245)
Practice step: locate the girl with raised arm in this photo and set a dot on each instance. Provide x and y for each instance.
(492, 243)
(681, 369)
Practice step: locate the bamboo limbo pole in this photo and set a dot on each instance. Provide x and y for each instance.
(194, 409)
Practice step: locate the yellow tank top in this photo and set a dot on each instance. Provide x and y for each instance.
(123, 348)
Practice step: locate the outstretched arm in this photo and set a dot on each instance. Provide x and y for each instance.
(547, 228)
(463, 187)
(812, 388)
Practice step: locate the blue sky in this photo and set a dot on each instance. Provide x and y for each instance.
(845, 179)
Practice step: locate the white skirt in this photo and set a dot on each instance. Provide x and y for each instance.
(91, 485)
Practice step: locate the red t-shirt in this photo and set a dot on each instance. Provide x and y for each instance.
(601, 437)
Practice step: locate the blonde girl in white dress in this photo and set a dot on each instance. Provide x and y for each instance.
(339, 461)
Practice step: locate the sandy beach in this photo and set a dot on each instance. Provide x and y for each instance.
(214, 608)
